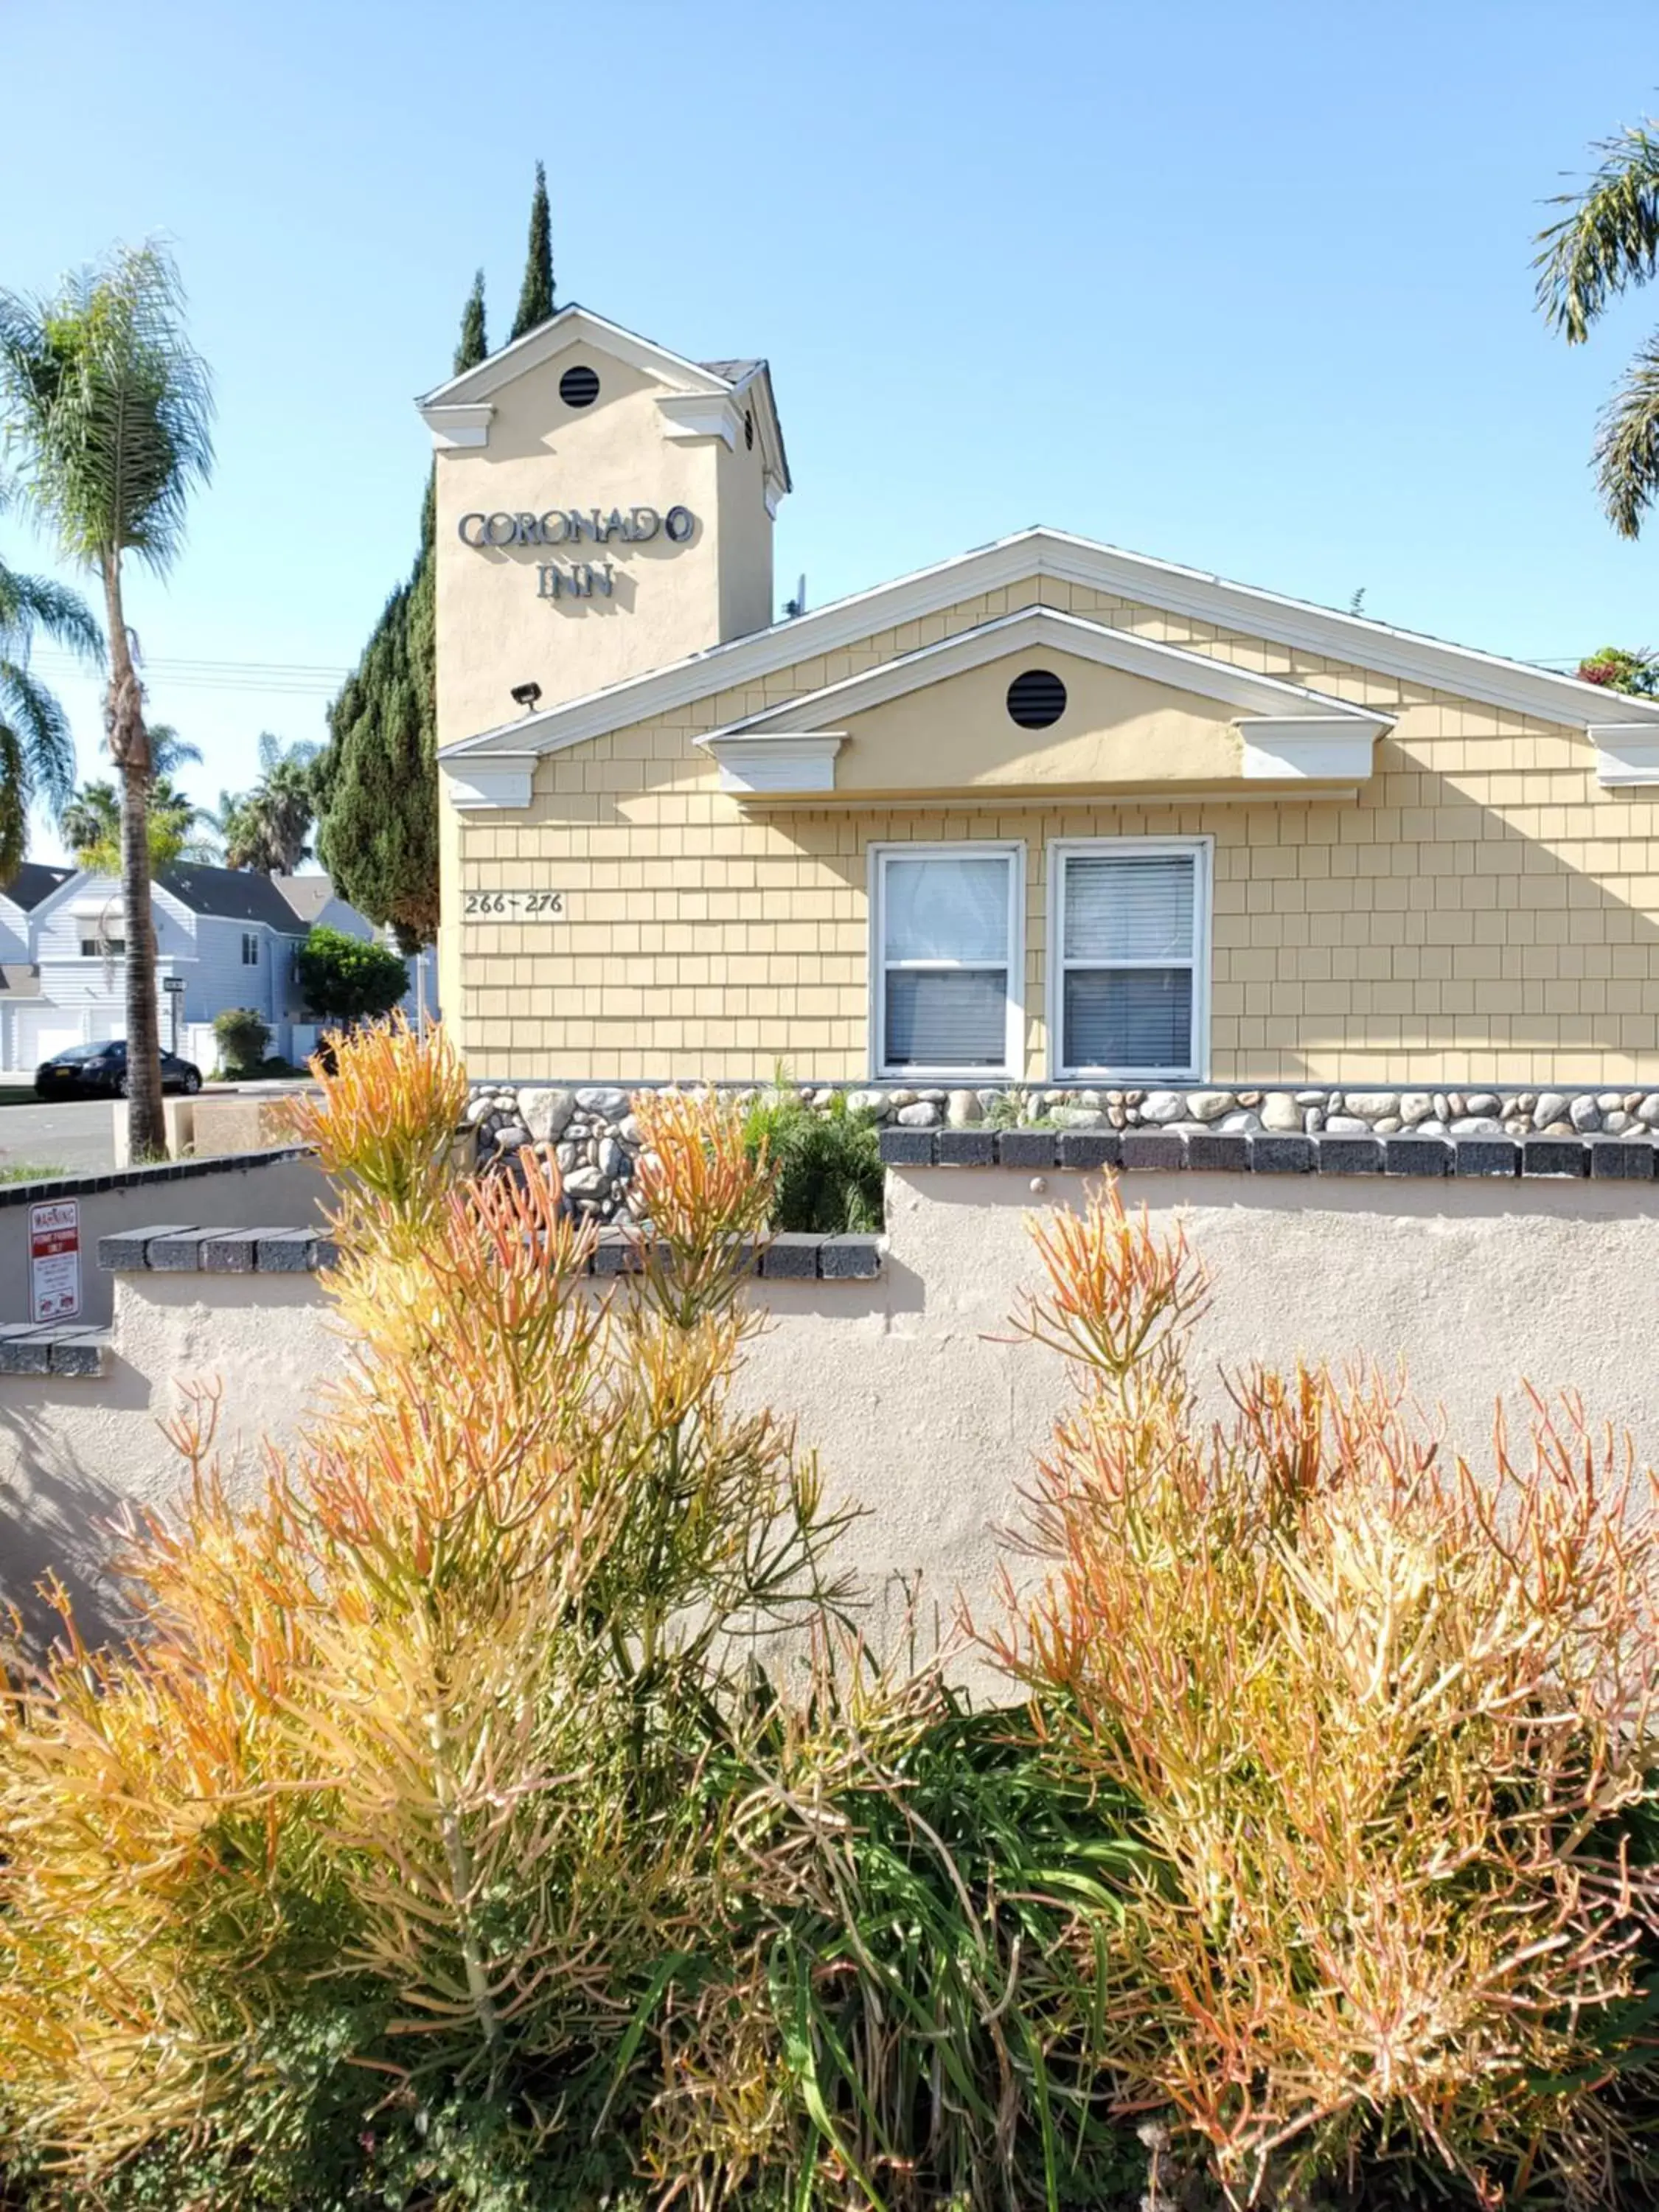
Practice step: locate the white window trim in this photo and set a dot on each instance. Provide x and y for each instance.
(1013, 1065)
(1201, 850)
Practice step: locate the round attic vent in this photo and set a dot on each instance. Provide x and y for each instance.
(579, 386)
(1036, 699)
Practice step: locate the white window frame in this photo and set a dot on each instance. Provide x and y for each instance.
(978, 848)
(1201, 852)
(251, 948)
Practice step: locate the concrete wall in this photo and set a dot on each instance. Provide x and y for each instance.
(286, 1193)
(920, 1408)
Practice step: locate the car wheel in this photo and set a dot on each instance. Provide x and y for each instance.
(192, 1084)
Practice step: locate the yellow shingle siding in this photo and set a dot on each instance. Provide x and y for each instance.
(1481, 912)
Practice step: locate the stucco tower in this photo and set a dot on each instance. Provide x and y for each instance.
(604, 507)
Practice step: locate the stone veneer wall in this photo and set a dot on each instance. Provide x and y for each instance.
(592, 1136)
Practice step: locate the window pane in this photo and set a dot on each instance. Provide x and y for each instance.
(1129, 907)
(946, 906)
(1136, 1017)
(946, 1017)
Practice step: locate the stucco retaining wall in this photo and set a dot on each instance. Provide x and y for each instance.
(920, 1408)
(283, 1185)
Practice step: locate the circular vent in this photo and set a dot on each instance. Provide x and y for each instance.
(579, 387)
(1036, 700)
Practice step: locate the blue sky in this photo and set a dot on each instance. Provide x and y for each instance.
(1245, 287)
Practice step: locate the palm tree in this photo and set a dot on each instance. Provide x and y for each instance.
(37, 751)
(111, 410)
(280, 809)
(267, 828)
(91, 824)
(1607, 241)
(169, 751)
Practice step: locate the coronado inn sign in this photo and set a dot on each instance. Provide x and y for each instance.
(571, 526)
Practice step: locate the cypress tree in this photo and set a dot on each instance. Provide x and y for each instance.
(474, 345)
(536, 294)
(377, 784)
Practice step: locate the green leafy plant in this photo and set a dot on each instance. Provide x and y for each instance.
(1619, 670)
(826, 1161)
(349, 979)
(242, 1036)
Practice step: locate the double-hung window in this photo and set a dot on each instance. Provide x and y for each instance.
(946, 959)
(250, 948)
(1129, 927)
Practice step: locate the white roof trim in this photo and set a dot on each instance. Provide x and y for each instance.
(571, 325)
(1352, 638)
(755, 766)
(1046, 629)
(1626, 755)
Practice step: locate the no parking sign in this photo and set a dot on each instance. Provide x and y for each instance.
(55, 1261)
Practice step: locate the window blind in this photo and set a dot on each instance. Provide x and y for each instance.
(944, 955)
(1128, 952)
(1128, 907)
(947, 1017)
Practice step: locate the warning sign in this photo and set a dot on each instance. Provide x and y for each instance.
(55, 1261)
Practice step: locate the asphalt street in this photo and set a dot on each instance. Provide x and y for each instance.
(77, 1135)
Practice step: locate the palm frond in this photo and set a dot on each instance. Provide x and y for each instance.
(112, 408)
(1607, 240)
(169, 751)
(31, 603)
(44, 764)
(14, 805)
(1628, 444)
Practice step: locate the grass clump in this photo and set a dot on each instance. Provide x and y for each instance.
(825, 1161)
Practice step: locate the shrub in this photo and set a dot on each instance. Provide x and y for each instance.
(454, 1831)
(826, 1161)
(1388, 1726)
(242, 1037)
(349, 979)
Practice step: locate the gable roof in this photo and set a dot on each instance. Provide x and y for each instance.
(458, 411)
(306, 895)
(34, 882)
(231, 895)
(1403, 655)
(1028, 629)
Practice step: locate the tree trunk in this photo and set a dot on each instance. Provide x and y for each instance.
(129, 745)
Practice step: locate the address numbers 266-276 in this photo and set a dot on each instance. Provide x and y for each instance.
(513, 906)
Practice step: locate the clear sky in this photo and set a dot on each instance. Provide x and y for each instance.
(1245, 286)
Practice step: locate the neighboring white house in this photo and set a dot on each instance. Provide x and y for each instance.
(224, 938)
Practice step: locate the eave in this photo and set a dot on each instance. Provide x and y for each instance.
(1542, 694)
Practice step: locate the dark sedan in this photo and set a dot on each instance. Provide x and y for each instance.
(100, 1071)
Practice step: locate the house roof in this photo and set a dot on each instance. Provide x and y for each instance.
(18, 980)
(306, 895)
(1009, 563)
(34, 882)
(1031, 629)
(458, 411)
(233, 895)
